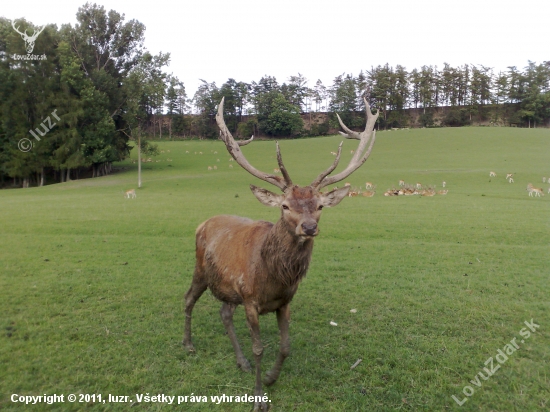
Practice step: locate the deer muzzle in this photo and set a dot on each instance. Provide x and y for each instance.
(309, 229)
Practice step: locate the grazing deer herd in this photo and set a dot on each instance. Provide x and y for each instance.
(404, 189)
(532, 191)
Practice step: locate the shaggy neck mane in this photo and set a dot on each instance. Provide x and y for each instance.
(287, 256)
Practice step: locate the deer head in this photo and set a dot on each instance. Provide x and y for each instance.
(29, 40)
(301, 206)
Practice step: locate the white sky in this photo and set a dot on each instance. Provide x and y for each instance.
(245, 39)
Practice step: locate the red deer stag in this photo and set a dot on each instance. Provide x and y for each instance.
(260, 264)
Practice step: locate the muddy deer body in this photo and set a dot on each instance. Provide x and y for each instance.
(260, 264)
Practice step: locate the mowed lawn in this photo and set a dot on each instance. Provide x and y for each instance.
(92, 284)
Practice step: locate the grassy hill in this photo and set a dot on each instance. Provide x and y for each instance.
(92, 283)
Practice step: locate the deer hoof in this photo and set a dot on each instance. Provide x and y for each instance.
(270, 378)
(189, 347)
(260, 406)
(244, 365)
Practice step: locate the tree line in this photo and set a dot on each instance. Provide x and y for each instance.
(85, 95)
(274, 109)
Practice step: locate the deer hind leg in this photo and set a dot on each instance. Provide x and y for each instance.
(226, 312)
(191, 297)
(252, 319)
(283, 319)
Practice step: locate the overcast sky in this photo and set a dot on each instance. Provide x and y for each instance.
(245, 39)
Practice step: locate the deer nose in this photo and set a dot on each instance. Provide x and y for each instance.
(310, 229)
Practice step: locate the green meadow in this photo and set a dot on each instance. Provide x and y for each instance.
(92, 283)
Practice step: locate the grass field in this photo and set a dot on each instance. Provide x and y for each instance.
(92, 284)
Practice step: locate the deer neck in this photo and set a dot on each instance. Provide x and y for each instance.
(286, 255)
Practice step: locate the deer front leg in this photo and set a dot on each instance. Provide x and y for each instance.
(191, 297)
(252, 319)
(283, 319)
(226, 313)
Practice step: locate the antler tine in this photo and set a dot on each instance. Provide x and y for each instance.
(245, 142)
(324, 174)
(237, 154)
(360, 156)
(350, 134)
(282, 167)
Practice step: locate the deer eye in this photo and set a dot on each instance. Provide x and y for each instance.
(285, 207)
(320, 207)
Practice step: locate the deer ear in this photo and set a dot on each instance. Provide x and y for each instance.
(334, 197)
(266, 197)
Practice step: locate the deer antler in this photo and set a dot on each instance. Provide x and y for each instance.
(234, 150)
(360, 156)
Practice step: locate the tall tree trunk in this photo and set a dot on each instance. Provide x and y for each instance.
(68, 175)
(41, 177)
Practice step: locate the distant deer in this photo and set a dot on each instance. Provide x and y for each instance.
(130, 193)
(368, 185)
(401, 183)
(492, 174)
(509, 176)
(29, 40)
(537, 191)
(259, 264)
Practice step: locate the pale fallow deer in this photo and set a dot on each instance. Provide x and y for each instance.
(260, 264)
(130, 194)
